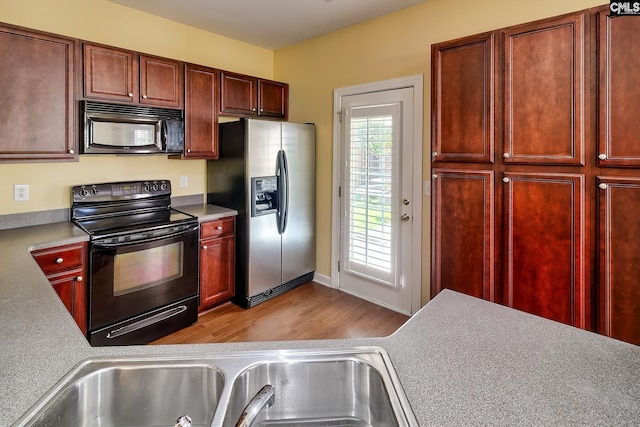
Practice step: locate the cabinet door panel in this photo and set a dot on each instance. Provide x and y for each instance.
(161, 82)
(217, 271)
(110, 74)
(544, 87)
(273, 98)
(72, 289)
(463, 232)
(237, 94)
(544, 246)
(463, 100)
(619, 246)
(201, 114)
(619, 62)
(37, 96)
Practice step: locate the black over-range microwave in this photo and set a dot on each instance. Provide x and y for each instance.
(131, 129)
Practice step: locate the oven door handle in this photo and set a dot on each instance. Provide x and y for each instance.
(101, 245)
(127, 329)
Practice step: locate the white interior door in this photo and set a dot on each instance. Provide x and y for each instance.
(376, 192)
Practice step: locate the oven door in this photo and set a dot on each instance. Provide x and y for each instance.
(131, 278)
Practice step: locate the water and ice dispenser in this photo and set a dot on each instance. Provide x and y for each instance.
(264, 195)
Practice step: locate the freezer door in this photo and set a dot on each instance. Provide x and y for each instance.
(298, 239)
(264, 257)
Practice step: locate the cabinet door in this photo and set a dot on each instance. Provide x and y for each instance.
(619, 246)
(463, 100)
(544, 83)
(544, 248)
(110, 74)
(217, 271)
(238, 94)
(37, 96)
(619, 62)
(201, 113)
(463, 219)
(273, 99)
(72, 289)
(161, 82)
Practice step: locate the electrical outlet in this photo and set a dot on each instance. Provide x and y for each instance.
(20, 192)
(184, 181)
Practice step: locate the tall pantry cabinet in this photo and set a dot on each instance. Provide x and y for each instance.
(533, 169)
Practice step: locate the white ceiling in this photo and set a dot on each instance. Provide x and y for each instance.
(271, 24)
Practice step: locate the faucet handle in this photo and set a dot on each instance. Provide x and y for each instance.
(183, 421)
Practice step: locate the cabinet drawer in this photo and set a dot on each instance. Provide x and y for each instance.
(217, 228)
(61, 258)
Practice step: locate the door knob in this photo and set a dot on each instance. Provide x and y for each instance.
(405, 201)
(404, 217)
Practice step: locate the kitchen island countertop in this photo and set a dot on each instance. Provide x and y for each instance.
(461, 360)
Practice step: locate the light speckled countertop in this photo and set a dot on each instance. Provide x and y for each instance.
(461, 360)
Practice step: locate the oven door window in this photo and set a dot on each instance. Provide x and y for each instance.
(135, 271)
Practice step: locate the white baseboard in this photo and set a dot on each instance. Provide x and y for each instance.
(322, 279)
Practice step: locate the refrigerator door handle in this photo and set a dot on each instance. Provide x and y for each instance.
(285, 214)
(282, 189)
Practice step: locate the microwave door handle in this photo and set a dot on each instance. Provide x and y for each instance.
(164, 131)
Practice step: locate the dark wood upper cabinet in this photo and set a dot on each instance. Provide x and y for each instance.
(273, 98)
(118, 75)
(544, 85)
(618, 249)
(619, 62)
(463, 100)
(201, 112)
(463, 227)
(242, 95)
(544, 246)
(238, 94)
(37, 94)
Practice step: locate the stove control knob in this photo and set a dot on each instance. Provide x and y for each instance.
(94, 191)
(154, 186)
(146, 187)
(163, 185)
(84, 192)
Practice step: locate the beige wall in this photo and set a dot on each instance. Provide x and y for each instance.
(112, 24)
(392, 46)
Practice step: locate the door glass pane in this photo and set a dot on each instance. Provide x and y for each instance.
(370, 213)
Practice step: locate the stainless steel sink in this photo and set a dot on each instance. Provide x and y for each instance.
(346, 387)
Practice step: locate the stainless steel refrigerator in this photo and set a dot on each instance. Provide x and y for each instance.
(266, 171)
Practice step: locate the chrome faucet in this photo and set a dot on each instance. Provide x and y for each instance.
(262, 400)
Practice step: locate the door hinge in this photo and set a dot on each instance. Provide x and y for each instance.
(340, 191)
(338, 266)
(340, 116)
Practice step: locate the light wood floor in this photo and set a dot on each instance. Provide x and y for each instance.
(310, 311)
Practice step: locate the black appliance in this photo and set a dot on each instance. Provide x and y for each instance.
(131, 129)
(143, 261)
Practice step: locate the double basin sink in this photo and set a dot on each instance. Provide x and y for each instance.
(345, 387)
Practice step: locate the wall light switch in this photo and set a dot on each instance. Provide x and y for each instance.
(427, 188)
(184, 181)
(21, 192)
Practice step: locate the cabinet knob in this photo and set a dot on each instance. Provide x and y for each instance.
(130, 94)
(189, 150)
(253, 109)
(434, 154)
(506, 180)
(602, 157)
(219, 227)
(506, 155)
(59, 260)
(71, 151)
(434, 176)
(144, 96)
(79, 279)
(603, 186)
(261, 110)
(205, 247)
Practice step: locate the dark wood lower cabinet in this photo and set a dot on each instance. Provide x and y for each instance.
(217, 262)
(619, 258)
(464, 232)
(544, 246)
